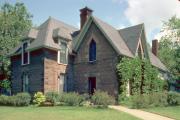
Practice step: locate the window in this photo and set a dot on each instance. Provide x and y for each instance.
(62, 54)
(62, 83)
(25, 54)
(92, 51)
(25, 82)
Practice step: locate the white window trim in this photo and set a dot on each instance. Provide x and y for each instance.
(58, 53)
(22, 54)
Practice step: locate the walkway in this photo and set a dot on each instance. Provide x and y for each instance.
(140, 114)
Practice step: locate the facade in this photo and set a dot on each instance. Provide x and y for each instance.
(59, 57)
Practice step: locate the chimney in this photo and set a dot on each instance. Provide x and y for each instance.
(85, 13)
(155, 46)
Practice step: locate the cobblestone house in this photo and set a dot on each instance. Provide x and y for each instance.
(59, 57)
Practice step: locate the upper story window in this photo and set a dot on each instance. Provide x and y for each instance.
(25, 54)
(63, 53)
(92, 51)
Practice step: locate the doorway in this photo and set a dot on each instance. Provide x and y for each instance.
(92, 85)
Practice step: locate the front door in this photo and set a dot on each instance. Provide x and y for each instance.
(92, 85)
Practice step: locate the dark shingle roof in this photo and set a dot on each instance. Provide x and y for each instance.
(115, 37)
(45, 34)
(131, 36)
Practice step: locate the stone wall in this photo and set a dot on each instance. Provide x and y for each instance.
(104, 69)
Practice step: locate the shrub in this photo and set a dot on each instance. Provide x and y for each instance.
(159, 99)
(173, 98)
(4, 100)
(21, 99)
(102, 99)
(138, 101)
(39, 98)
(71, 99)
(52, 97)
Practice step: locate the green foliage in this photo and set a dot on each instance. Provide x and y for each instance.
(71, 99)
(169, 50)
(52, 97)
(140, 75)
(21, 99)
(173, 98)
(156, 99)
(15, 20)
(102, 99)
(39, 98)
(6, 84)
(4, 100)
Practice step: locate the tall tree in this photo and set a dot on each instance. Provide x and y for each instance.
(15, 20)
(169, 49)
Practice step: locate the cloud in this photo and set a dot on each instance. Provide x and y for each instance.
(151, 12)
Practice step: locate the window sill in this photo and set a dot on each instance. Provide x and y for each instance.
(25, 64)
(62, 64)
(92, 62)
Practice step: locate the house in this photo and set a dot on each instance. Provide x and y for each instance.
(59, 57)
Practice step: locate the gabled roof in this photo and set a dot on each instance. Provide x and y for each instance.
(43, 35)
(109, 32)
(131, 36)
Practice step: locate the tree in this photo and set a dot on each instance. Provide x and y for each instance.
(169, 47)
(15, 20)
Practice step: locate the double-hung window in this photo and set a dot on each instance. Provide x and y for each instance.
(63, 53)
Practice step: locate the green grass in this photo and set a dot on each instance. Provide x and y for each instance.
(172, 112)
(61, 113)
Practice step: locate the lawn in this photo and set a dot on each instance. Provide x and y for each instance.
(172, 112)
(61, 113)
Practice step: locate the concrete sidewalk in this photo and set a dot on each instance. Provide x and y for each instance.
(140, 114)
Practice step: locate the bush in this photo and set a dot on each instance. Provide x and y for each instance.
(52, 97)
(102, 99)
(21, 99)
(4, 100)
(71, 99)
(173, 98)
(138, 101)
(39, 98)
(159, 99)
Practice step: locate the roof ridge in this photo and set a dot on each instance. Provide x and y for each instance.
(57, 20)
(142, 24)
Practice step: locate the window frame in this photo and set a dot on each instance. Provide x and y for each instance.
(91, 60)
(60, 41)
(25, 82)
(22, 53)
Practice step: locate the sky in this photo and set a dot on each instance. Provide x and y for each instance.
(118, 13)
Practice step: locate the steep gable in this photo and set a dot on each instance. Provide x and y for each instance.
(109, 32)
(131, 36)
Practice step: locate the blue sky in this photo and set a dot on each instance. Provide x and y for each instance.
(118, 13)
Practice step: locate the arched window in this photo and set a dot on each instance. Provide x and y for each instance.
(25, 82)
(92, 51)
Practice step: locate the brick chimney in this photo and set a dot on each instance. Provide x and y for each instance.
(155, 46)
(85, 13)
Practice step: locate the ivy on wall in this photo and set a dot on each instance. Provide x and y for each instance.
(141, 76)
